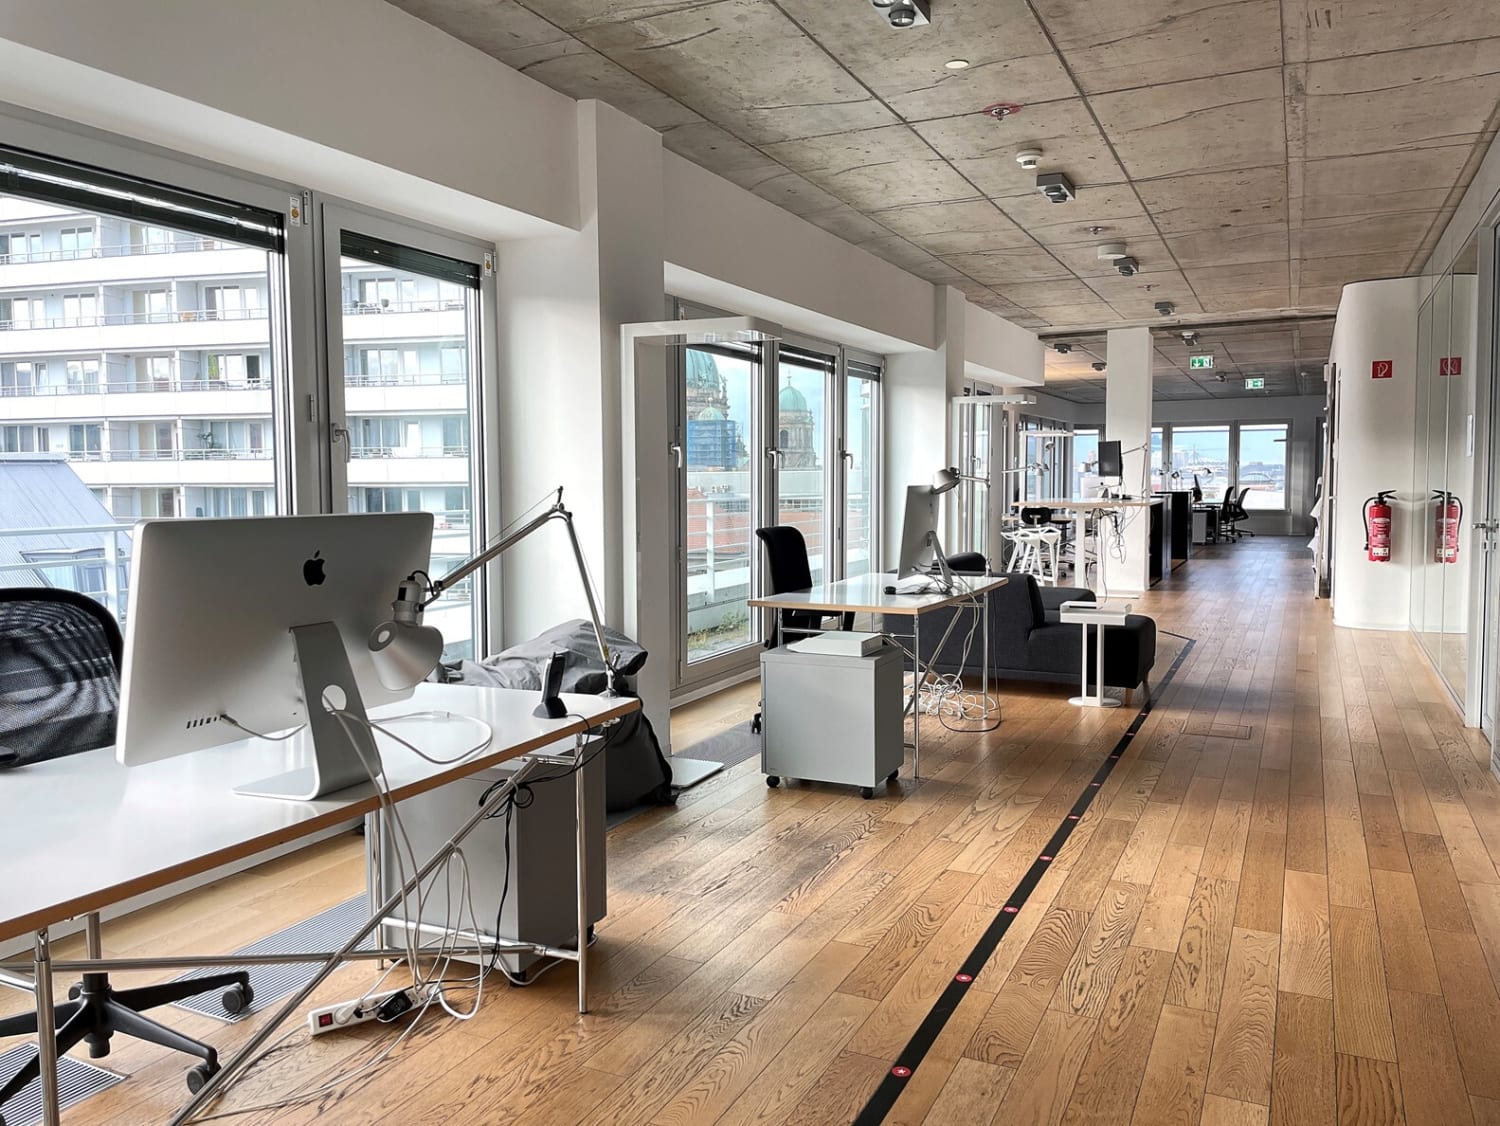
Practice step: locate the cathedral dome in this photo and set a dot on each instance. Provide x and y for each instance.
(790, 398)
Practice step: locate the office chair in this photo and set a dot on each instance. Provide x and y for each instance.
(60, 658)
(788, 569)
(968, 563)
(1231, 513)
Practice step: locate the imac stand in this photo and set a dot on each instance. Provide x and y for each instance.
(337, 744)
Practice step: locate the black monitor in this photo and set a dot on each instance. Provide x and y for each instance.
(1109, 460)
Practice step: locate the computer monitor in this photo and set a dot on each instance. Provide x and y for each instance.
(918, 532)
(257, 619)
(1110, 461)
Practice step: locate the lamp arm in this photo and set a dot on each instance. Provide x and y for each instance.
(464, 570)
(556, 511)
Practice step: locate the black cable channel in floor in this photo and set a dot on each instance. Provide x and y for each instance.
(911, 1057)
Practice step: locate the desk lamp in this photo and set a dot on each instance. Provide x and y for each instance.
(404, 650)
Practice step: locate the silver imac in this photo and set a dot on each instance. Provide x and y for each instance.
(260, 620)
(920, 545)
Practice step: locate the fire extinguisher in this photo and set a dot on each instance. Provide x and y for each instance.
(1378, 526)
(1450, 510)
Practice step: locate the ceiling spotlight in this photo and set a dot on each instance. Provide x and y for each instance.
(1165, 308)
(1111, 251)
(1029, 158)
(902, 14)
(957, 64)
(1127, 267)
(1055, 186)
(1098, 365)
(1063, 347)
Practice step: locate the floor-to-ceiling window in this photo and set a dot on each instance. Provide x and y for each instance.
(1262, 465)
(784, 432)
(1201, 454)
(403, 349)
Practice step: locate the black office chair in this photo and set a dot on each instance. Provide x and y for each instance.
(1036, 515)
(1232, 514)
(968, 563)
(60, 658)
(788, 569)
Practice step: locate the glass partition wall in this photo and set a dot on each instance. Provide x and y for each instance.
(1441, 545)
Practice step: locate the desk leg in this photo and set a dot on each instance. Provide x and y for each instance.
(984, 614)
(1099, 664)
(581, 845)
(46, 1029)
(916, 698)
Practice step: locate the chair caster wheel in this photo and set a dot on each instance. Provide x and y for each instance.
(74, 992)
(198, 1076)
(867, 792)
(755, 726)
(237, 998)
(891, 777)
(773, 780)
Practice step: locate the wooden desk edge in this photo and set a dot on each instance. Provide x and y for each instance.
(771, 602)
(104, 897)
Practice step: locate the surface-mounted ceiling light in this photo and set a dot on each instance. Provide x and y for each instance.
(957, 64)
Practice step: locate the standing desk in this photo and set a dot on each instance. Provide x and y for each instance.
(865, 594)
(149, 826)
(1080, 507)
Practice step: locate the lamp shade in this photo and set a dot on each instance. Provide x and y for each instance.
(403, 653)
(945, 479)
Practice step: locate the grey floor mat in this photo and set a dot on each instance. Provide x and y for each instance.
(327, 930)
(76, 1081)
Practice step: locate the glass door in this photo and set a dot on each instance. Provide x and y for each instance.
(799, 452)
(719, 502)
(859, 447)
(405, 347)
(974, 445)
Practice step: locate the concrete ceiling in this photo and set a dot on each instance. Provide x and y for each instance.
(1288, 355)
(1255, 155)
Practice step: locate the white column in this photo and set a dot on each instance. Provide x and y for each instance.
(1127, 420)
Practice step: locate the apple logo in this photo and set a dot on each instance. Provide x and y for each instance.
(312, 570)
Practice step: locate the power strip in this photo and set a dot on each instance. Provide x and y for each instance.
(362, 1010)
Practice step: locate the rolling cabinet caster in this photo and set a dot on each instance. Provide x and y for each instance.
(891, 777)
(867, 792)
(773, 780)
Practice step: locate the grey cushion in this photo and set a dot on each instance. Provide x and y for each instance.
(523, 665)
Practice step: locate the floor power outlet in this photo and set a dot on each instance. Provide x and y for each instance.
(387, 1005)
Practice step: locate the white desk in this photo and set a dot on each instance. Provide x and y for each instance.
(1080, 507)
(866, 594)
(85, 832)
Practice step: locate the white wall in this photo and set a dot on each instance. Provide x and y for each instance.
(1376, 320)
(998, 351)
(351, 97)
(735, 251)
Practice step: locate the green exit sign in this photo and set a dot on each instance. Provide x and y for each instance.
(1255, 383)
(1197, 363)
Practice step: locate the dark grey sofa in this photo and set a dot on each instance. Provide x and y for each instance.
(1027, 642)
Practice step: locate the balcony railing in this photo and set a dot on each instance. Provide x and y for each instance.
(132, 387)
(408, 451)
(105, 319)
(412, 379)
(114, 548)
(236, 453)
(122, 250)
(435, 305)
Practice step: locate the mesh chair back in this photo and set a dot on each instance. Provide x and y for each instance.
(60, 658)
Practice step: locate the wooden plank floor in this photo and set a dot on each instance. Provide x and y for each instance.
(1283, 907)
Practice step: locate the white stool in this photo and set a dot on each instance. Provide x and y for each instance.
(1045, 549)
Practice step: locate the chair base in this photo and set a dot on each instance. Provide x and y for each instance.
(98, 1011)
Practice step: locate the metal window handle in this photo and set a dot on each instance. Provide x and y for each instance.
(775, 454)
(675, 449)
(341, 434)
(848, 456)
